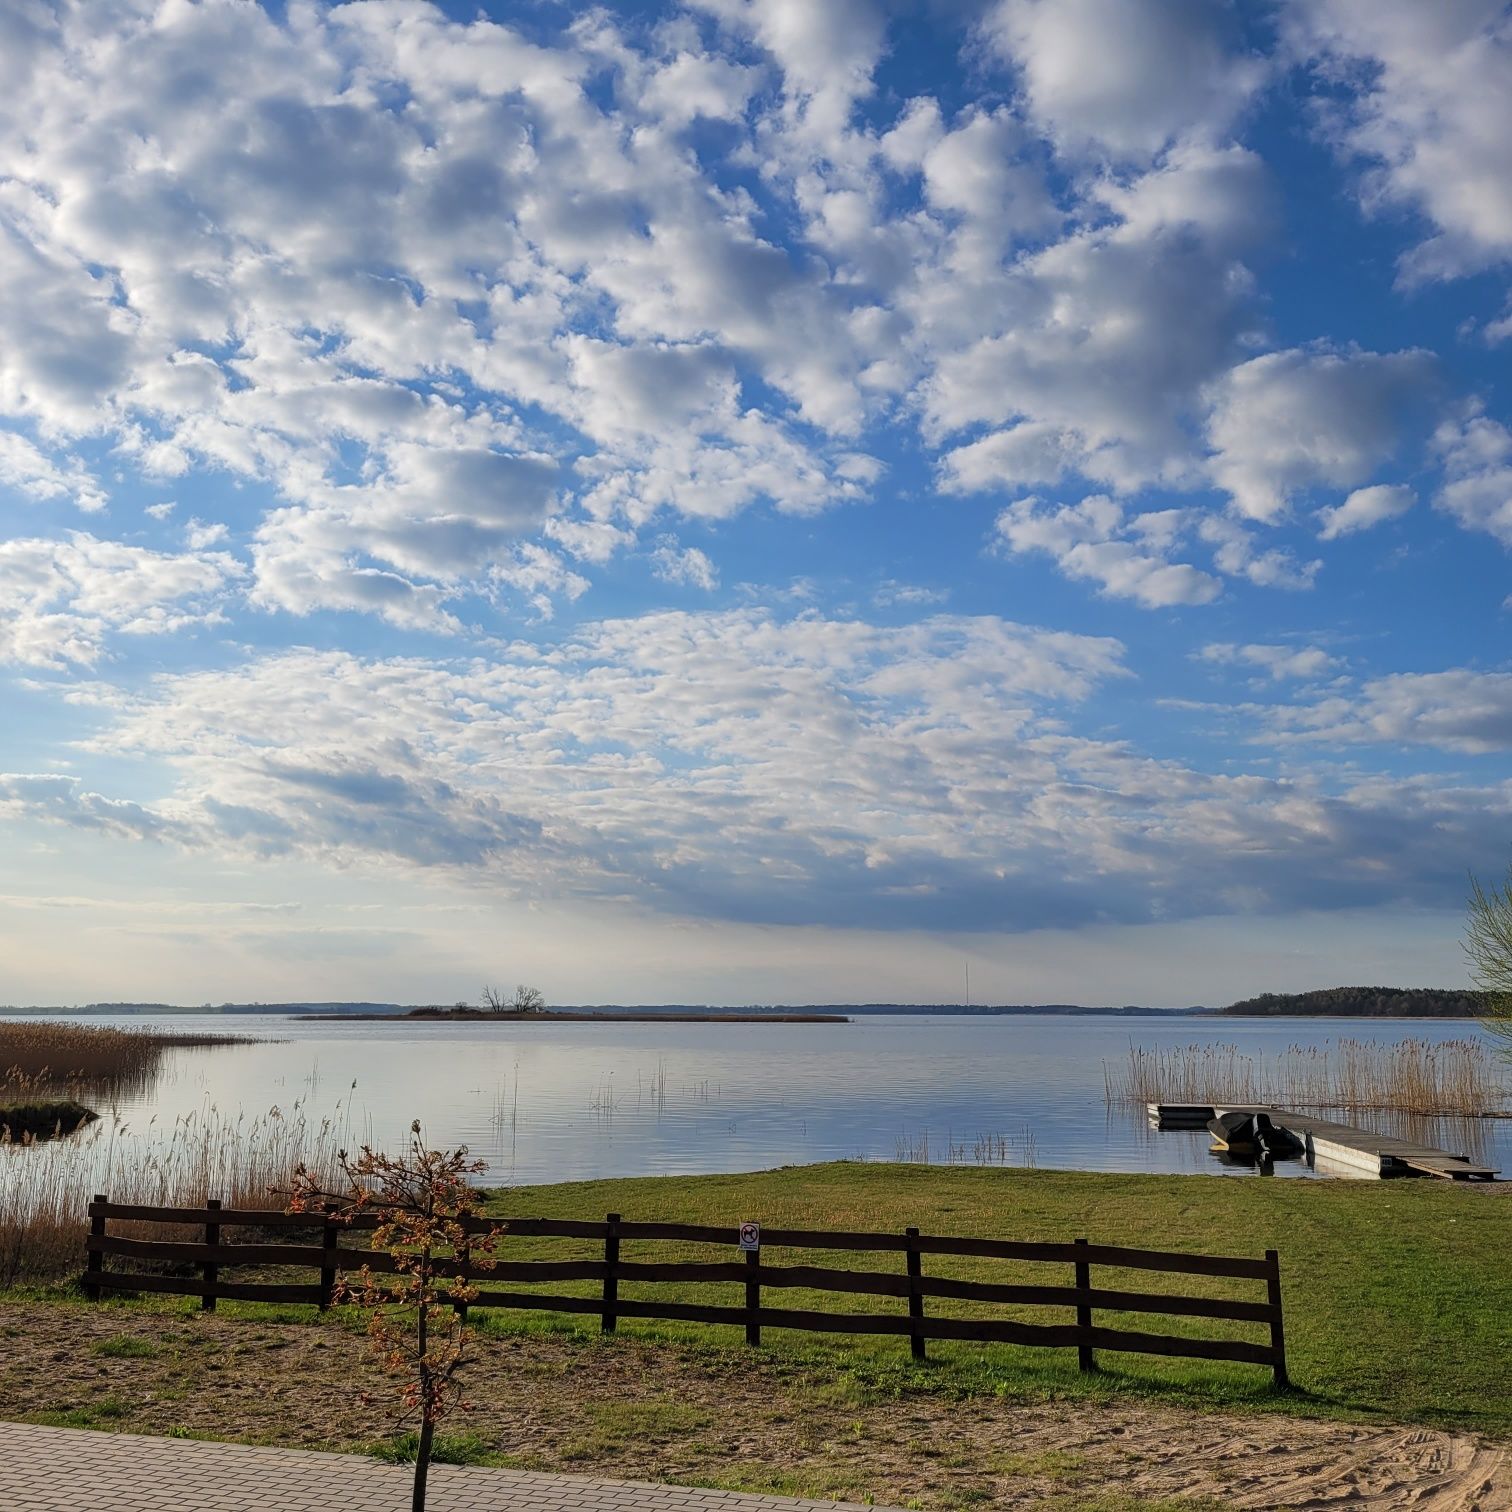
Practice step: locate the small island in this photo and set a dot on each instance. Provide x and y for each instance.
(573, 1016)
(527, 1005)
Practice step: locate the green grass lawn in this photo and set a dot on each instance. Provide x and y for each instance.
(1398, 1295)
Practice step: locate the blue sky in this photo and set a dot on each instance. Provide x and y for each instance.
(751, 500)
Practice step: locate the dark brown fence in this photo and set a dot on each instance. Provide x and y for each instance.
(330, 1256)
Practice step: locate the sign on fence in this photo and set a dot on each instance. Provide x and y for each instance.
(750, 1237)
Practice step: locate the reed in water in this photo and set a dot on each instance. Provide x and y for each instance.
(45, 1188)
(1449, 1078)
(100, 1057)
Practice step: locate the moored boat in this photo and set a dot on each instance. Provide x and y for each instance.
(1243, 1133)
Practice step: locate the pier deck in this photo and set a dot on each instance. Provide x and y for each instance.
(1335, 1144)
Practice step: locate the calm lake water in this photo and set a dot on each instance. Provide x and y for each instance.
(565, 1101)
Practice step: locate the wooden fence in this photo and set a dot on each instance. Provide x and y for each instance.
(751, 1271)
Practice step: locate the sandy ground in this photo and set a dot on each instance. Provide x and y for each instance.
(655, 1411)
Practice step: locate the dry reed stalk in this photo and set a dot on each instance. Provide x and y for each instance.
(94, 1056)
(984, 1150)
(1457, 1078)
(45, 1187)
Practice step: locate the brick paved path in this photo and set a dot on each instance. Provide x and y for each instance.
(66, 1469)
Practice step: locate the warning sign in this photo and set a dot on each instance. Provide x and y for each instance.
(750, 1237)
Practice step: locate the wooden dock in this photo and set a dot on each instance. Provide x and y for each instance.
(1335, 1146)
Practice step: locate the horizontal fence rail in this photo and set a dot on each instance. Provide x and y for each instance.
(332, 1250)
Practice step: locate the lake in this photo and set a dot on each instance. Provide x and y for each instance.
(566, 1101)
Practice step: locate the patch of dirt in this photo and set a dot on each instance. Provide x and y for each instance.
(651, 1411)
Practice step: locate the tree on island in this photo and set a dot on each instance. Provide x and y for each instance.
(525, 1000)
(427, 1222)
(1488, 944)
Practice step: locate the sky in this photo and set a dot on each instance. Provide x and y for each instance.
(751, 500)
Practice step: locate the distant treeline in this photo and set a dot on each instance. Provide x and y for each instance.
(1366, 1002)
(385, 1010)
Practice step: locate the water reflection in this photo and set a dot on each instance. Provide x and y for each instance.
(570, 1101)
(1474, 1138)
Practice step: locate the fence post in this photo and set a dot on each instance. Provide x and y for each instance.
(328, 1236)
(1084, 1357)
(1278, 1332)
(460, 1308)
(753, 1296)
(94, 1260)
(209, 1267)
(915, 1294)
(610, 1315)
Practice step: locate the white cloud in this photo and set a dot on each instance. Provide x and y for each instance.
(686, 565)
(66, 345)
(647, 753)
(1364, 508)
(1477, 490)
(1094, 541)
(1033, 452)
(593, 541)
(60, 600)
(402, 317)
(541, 576)
(1101, 343)
(31, 472)
(1278, 663)
(820, 47)
(694, 85)
(1235, 553)
(1457, 710)
(984, 171)
(199, 534)
(890, 594)
(523, 308)
(918, 128)
(1295, 420)
(1123, 77)
(1432, 114)
(65, 800)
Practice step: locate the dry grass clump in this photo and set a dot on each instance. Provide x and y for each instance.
(1459, 1078)
(45, 1188)
(1018, 1149)
(98, 1057)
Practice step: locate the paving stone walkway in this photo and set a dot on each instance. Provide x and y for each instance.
(65, 1469)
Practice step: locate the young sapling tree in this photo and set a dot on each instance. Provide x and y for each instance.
(427, 1223)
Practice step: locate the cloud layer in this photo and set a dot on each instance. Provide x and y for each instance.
(775, 461)
(444, 287)
(785, 770)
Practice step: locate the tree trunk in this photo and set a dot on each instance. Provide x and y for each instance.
(427, 1400)
(422, 1464)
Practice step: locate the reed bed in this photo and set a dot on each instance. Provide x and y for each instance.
(1451, 1078)
(45, 1187)
(43, 1056)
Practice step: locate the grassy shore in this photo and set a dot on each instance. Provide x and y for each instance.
(1395, 1296)
(1395, 1292)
